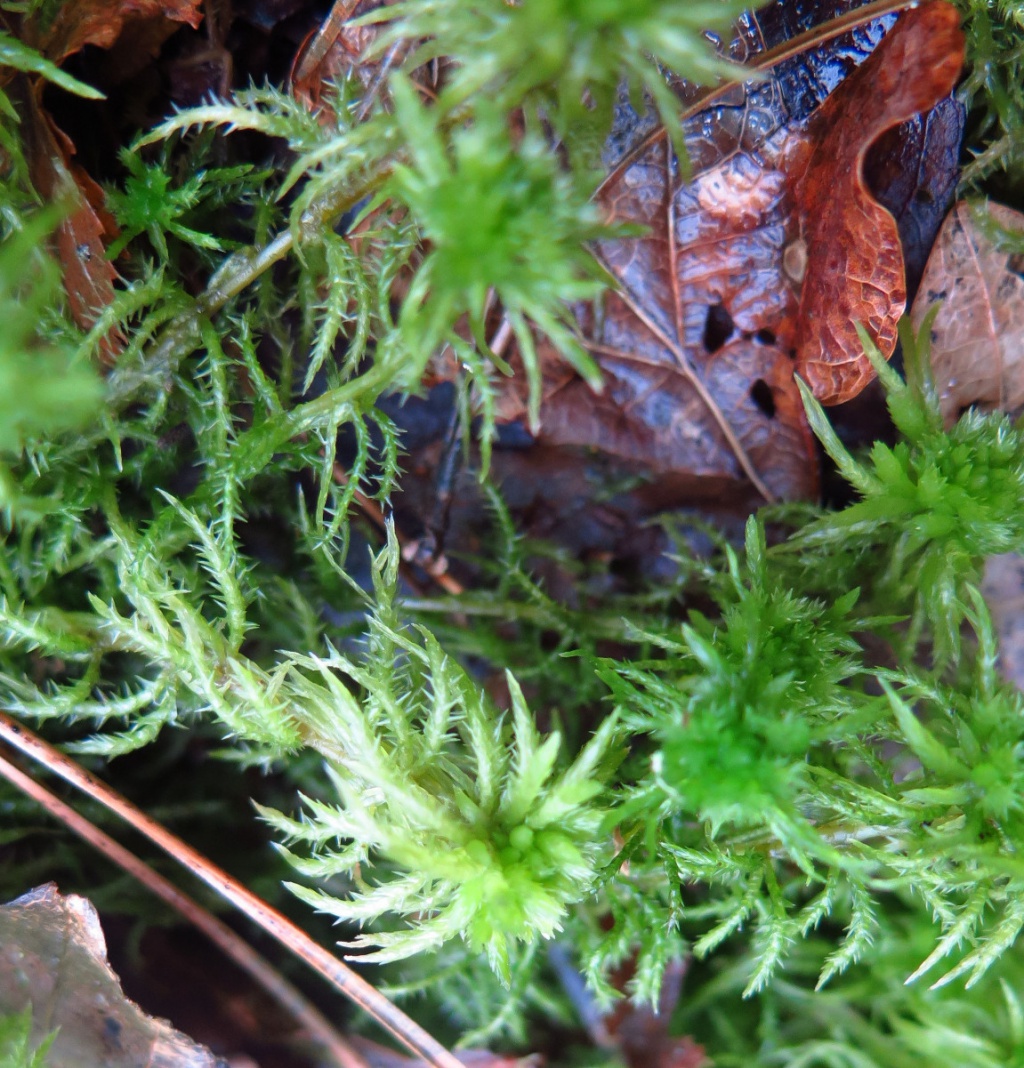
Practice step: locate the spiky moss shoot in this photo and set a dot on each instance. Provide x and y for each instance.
(934, 505)
(738, 703)
(566, 60)
(496, 218)
(451, 816)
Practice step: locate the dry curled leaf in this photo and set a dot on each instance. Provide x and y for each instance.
(977, 337)
(53, 957)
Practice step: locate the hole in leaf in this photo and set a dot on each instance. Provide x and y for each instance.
(766, 337)
(761, 395)
(1015, 264)
(924, 196)
(718, 328)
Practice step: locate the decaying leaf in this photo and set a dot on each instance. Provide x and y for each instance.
(81, 236)
(854, 269)
(53, 956)
(765, 260)
(78, 23)
(977, 337)
(913, 171)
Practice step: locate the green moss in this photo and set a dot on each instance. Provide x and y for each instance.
(814, 782)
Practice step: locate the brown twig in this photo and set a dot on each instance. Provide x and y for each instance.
(340, 975)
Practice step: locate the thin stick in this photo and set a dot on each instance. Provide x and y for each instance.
(230, 944)
(348, 982)
(323, 40)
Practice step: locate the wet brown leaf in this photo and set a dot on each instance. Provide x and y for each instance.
(78, 23)
(854, 261)
(769, 256)
(81, 236)
(913, 171)
(977, 338)
(53, 957)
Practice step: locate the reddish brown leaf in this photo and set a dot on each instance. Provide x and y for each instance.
(773, 251)
(977, 338)
(99, 22)
(854, 263)
(88, 275)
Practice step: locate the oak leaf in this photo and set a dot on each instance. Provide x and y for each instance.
(977, 336)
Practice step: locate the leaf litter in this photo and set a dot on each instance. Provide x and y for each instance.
(974, 282)
(732, 286)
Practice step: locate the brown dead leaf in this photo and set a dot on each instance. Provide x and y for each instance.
(769, 255)
(913, 171)
(80, 238)
(78, 23)
(854, 261)
(977, 337)
(53, 957)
